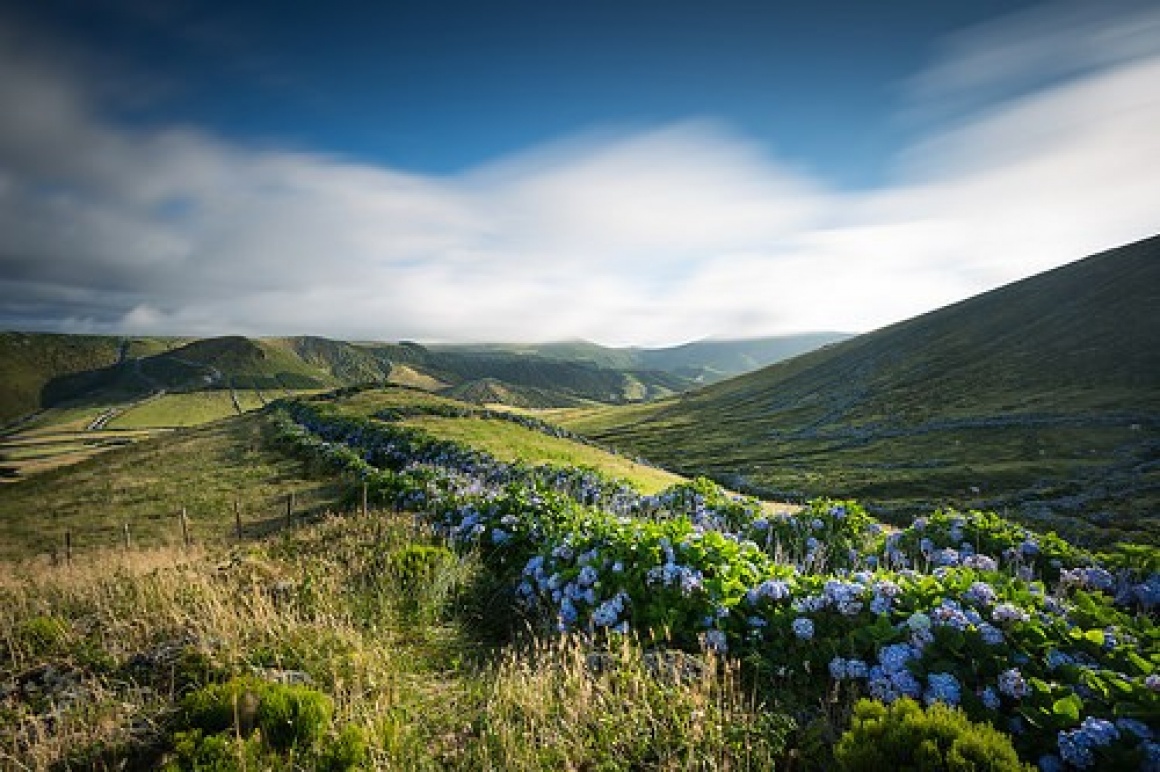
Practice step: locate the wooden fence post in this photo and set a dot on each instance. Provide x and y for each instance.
(184, 528)
(125, 529)
(238, 519)
(68, 547)
(364, 499)
(290, 510)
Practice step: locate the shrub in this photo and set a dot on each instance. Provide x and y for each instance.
(293, 716)
(905, 736)
(416, 565)
(195, 750)
(289, 716)
(346, 752)
(218, 707)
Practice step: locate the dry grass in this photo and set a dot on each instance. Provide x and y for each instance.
(96, 656)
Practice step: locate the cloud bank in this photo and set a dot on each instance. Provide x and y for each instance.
(645, 237)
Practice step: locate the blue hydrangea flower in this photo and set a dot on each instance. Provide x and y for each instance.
(607, 613)
(1006, 612)
(588, 576)
(981, 562)
(715, 641)
(803, 628)
(882, 689)
(774, 589)
(990, 699)
(942, 687)
(992, 636)
(1147, 593)
(894, 657)
(906, 684)
(568, 613)
(1074, 751)
(981, 594)
(1012, 683)
(1100, 730)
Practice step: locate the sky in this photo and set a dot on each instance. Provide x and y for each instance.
(639, 172)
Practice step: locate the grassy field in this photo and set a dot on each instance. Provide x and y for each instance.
(190, 409)
(505, 440)
(593, 420)
(105, 653)
(58, 437)
(146, 484)
(371, 401)
(512, 442)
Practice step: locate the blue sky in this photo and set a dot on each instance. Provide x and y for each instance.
(629, 172)
(440, 87)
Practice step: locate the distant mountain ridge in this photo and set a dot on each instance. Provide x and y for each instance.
(1042, 395)
(44, 370)
(701, 361)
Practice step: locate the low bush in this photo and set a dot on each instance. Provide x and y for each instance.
(906, 736)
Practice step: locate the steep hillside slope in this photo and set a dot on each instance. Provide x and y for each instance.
(30, 362)
(713, 360)
(489, 391)
(1043, 395)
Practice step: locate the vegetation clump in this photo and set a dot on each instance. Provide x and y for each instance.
(906, 736)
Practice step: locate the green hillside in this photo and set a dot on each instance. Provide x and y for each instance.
(489, 391)
(30, 360)
(1042, 396)
(45, 370)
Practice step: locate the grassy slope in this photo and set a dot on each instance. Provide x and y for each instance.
(192, 408)
(1043, 395)
(512, 442)
(504, 440)
(489, 391)
(145, 485)
(31, 360)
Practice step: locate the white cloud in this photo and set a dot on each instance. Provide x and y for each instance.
(649, 237)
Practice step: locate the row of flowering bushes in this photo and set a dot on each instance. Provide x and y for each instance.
(1020, 630)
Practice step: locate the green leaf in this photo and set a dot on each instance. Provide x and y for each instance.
(1094, 636)
(1068, 707)
(1121, 685)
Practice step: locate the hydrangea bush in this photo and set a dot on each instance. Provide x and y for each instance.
(1022, 631)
